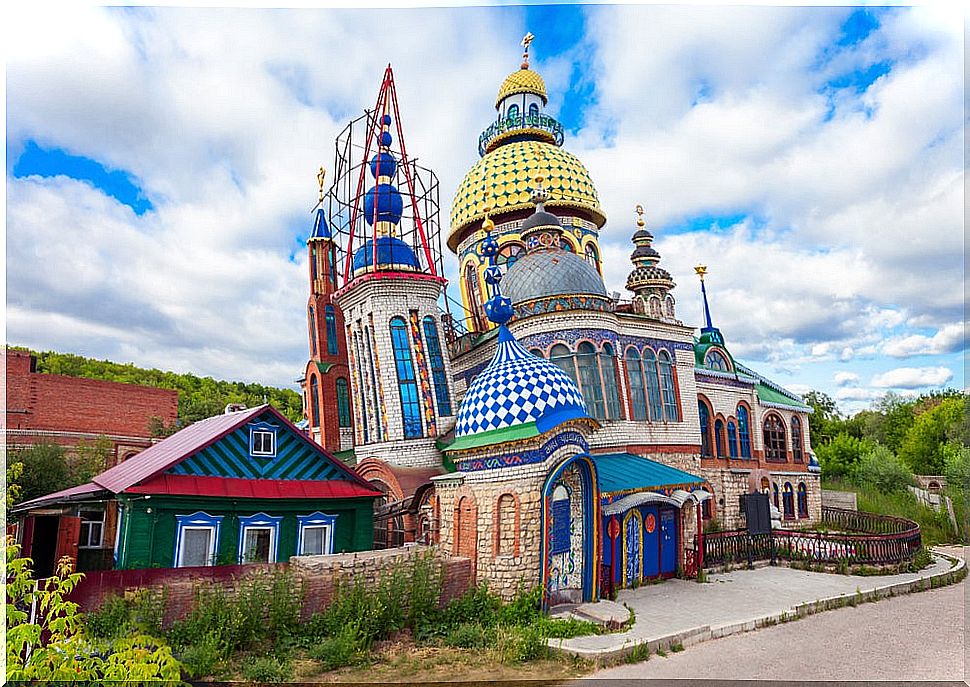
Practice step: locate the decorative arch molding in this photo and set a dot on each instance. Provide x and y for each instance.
(506, 499)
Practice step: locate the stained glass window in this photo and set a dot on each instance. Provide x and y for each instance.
(406, 380)
(774, 435)
(438, 373)
(715, 360)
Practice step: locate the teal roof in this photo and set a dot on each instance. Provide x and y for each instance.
(627, 472)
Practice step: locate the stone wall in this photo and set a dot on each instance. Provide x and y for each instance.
(839, 499)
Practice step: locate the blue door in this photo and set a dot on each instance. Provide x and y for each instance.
(668, 542)
(651, 542)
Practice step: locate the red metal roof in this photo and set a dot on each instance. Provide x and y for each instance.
(235, 487)
(166, 453)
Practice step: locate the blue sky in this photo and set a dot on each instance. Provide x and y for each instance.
(810, 156)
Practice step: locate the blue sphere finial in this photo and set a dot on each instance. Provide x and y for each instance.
(385, 138)
(498, 309)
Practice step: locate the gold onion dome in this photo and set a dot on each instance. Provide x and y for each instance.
(506, 174)
(522, 80)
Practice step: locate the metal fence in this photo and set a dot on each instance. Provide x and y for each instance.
(863, 538)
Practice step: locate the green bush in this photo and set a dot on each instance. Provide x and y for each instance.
(881, 470)
(266, 669)
(566, 628)
(518, 644)
(200, 660)
(840, 456)
(110, 620)
(469, 636)
(343, 649)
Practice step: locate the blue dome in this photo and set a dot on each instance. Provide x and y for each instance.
(388, 165)
(392, 252)
(517, 388)
(390, 205)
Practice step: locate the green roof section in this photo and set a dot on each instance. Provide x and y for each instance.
(495, 436)
(628, 472)
(324, 367)
(768, 395)
(347, 456)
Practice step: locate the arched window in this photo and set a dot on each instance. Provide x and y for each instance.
(669, 307)
(744, 431)
(474, 294)
(705, 421)
(732, 437)
(314, 401)
(343, 403)
(715, 360)
(533, 110)
(634, 377)
(654, 305)
(590, 383)
(563, 357)
(560, 520)
(313, 331)
(802, 500)
(506, 526)
(653, 385)
(331, 330)
(512, 112)
(406, 381)
(438, 373)
(592, 257)
(667, 387)
(610, 382)
(774, 434)
(796, 439)
(774, 490)
(565, 244)
(313, 262)
(765, 485)
(537, 352)
(788, 500)
(719, 441)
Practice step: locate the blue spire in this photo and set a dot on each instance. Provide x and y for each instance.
(498, 308)
(321, 230)
(709, 333)
(707, 309)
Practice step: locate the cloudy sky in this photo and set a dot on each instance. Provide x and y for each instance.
(161, 162)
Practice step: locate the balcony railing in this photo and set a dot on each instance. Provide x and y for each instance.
(523, 122)
(872, 539)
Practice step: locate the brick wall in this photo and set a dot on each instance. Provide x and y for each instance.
(318, 574)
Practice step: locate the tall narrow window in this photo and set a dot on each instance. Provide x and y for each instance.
(592, 257)
(589, 379)
(802, 500)
(719, 437)
(796, 439)
(533, 111)
(653, 385)
(361, 375)
(774, 434)
(774, 490)
(788, 501)
(331, 330)
(313, 331)
(610, 382)
(744, 432)
(314, 401)
(634, 377)
(438, 373)
(313, 262)
(667, 387)
(474, 295)
(406, 381)
(512, 112)
(343, 403)
(563, 357)
(560, 520)
(705, 422)
(732, 432)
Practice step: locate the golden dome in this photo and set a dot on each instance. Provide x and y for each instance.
(522, 81)
(505, 176)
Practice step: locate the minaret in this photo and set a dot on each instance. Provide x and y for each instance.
(401, 373)
(326, 397)
(650, 284)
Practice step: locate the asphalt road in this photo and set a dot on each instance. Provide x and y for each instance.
(919, 636)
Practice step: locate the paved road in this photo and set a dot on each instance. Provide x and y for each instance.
(914, 637)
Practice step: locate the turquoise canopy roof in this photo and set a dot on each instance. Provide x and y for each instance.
(627, 472)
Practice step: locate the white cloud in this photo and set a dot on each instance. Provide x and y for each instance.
(846, 378)
(949, 339)
(912, 377)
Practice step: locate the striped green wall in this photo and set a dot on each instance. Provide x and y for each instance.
(229, 457)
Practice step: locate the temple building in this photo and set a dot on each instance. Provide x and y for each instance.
(552, 432)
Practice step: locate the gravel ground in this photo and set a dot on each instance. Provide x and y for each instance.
(913, 637)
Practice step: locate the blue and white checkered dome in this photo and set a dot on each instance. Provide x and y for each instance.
(516, 388)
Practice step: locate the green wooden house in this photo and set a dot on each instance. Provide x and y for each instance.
(243, 487)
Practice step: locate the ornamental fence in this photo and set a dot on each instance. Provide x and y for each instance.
(865, 538)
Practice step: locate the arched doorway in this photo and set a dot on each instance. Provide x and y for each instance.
(570, 543)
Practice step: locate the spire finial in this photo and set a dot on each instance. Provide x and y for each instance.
(701, 270)
(640, 221)
(526, 42)
(321, 175)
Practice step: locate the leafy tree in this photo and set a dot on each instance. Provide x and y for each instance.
(90, 459)
(53, 646)
(956, 464)
(13, 473)
(922, 447)
(840, 456)
(883, 471)
(895, 416)
(45, 470)
(824, 414)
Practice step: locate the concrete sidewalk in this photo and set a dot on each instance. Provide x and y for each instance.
(686, 612)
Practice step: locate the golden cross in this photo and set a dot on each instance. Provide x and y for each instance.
(527, 39)
(321, 175)
(639, 215)
(701, 271)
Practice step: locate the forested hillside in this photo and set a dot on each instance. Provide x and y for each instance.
(199, 397)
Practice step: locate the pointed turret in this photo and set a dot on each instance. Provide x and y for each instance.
(650, 284)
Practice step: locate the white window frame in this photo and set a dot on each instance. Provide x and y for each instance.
(316, 520)
(259, 521)
(197, 521)
(261, 434)
(87, 530)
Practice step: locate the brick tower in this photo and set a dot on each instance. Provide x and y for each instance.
(327, 404)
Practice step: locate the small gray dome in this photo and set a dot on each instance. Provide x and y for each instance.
(547, 273)
(540, 218)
